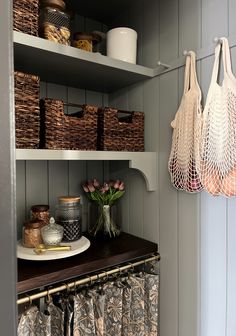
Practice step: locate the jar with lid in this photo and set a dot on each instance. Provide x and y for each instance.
(40, 212)
(86, 41)
(68, 214)
(52, 234)
(55, 21)
(32, 233)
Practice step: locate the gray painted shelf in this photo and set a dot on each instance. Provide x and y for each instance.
(145, 162)
(70, 66)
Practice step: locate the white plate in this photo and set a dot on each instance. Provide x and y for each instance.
(77, 247)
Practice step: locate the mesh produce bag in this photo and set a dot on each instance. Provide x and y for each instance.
(217, 161)
(186, 133)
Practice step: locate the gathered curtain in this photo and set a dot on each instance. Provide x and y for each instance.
(122, 306)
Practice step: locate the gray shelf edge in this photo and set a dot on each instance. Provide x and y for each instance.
(71, 52)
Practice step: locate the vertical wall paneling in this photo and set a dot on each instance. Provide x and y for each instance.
(20, 196)
(151, 201)
(36, 188)
(119, 99)
(213, 236)
(58, 182)
(214, 20)
(150, 57)
(168, 215)
(168, 30)
(78, 24)
(189, 25)
(136, 182)
(119, 170)
(43, 89)
(188, 261)
(150, 33)
(77, 175)
(56, 91)
(231, 237)
(213, 265)
(231, 269)
(232, 23)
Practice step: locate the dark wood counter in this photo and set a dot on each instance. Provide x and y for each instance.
(100, 255)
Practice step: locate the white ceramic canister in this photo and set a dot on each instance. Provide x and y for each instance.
(122, 44)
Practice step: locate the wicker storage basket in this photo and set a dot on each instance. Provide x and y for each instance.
(27, 114)
(120, 134)
(60, 131)
(25, 16)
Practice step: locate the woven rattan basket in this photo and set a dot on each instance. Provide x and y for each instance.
(25, 16)
(27, 114)
(60, 131)
(120, 134)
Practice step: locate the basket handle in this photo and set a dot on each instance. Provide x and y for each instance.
(126, 112)
(74, 105)
(78, 114)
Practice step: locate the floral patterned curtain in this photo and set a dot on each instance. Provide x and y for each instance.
(125, 306)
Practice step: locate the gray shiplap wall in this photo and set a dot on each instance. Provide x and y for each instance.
(196, 233)
(196, 240)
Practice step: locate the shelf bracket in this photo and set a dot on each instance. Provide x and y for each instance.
(148, 168)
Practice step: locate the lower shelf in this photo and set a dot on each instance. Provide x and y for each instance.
(145, 162)
(100, 255)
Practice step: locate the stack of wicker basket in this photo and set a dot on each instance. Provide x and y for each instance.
(27, 110)
(25, 16)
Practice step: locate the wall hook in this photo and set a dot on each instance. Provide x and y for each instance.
(186, 53)
(163, 64)
(217, 40)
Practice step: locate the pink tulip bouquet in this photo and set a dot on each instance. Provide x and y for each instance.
(105, 196)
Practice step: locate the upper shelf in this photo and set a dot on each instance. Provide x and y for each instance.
(145, 162)
(57, 63)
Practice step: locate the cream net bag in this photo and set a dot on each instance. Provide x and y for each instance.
(216, 163)
(186, 133)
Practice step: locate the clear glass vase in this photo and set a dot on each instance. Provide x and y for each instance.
(104, 225)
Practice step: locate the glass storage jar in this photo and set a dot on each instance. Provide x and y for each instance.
(68, 214)
(32, 233)
(40, 212)
(54, 21)
(86, 41)
(52, 234)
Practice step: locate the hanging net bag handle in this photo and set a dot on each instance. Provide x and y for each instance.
(186, 130)
(217, 164)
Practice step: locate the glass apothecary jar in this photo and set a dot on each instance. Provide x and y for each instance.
(54, 21)
(31, 235)
(41, 212)
(52, 234)
(68, 214)
(86, 41)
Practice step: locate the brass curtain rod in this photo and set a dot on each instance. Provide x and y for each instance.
(30, 298)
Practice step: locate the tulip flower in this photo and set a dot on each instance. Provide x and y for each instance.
(108, 194)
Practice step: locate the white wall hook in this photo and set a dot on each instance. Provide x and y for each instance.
(163, 64)
(186, 53)
(217, 40)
